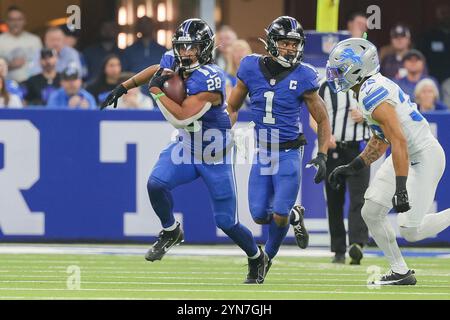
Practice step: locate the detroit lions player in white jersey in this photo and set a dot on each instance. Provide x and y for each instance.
(408, 178)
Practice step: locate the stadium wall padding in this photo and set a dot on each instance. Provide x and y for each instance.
(81, 176)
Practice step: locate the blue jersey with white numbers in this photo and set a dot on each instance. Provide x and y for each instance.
(276, 102)
(207, 78)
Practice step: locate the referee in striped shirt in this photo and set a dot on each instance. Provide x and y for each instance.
(349, 135)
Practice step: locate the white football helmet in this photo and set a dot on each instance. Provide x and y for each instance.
(350, 62)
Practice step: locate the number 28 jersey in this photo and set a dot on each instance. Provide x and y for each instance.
(276, 101)
(378, 89)
(207, 78)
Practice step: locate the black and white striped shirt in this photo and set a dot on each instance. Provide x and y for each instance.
(339, 111)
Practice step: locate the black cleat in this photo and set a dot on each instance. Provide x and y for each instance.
(356, 254)
(297, 221)
(397, 279)
(257, 268)
(166, 240)
(269, 264)
(339, 258)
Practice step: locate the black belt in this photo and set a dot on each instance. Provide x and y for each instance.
(348, 144)
(293, 144)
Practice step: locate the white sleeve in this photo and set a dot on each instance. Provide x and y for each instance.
(181, 123)
(372, 96)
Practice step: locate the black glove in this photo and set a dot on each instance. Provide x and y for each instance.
(320, 163)
(118, 91)
(337, 176)
(158, 79)
(400, 201)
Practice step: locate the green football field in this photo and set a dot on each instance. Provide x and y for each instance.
(184, 276)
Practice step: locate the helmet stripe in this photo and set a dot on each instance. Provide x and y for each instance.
(294, 24)
(186, 28)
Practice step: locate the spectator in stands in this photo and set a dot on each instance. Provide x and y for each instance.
(105, 46)
(18, 46)
(54, 39)
(71, 95)
(107, 80)
(71, 37)
(135, 100)
(435, 44)
(427, 96)
(145, 51)
(414, 63)
(224, 39)
(8, 100)
(445, 89)
(238, 50)
(392, 63)
(11, 85)
(39, 87)
(357, 24)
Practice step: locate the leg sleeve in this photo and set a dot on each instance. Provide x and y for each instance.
(357, 186)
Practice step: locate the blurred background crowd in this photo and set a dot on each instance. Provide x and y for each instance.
(53, 70)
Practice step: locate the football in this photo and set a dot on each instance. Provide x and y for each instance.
(174, 88)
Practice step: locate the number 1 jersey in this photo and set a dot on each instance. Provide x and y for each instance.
(276, 101)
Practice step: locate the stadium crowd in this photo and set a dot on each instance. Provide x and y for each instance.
(54, 73)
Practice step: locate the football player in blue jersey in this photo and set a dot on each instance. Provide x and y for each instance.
(278, 85)
(201, 112)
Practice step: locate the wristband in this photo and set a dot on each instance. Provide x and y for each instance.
(158, 95)
(357, 164)
(400, 182)
(322, 155)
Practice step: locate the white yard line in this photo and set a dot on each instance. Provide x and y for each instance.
(95, 271)
(185, 250)
(205, 283)
(370, 292)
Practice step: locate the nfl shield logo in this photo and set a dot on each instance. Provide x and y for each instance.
(272, 82)
(328, 42)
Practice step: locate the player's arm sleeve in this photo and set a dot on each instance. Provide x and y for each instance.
(311, 81)
(243, 71)
(167, 60)
(372, 96)
(193, 108)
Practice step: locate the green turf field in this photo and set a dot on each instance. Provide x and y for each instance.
(44, 276)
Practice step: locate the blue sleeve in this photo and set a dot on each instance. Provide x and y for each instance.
(167, 60)
(311, 80)
(242, 73)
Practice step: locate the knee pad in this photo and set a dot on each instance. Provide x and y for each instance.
(259, 214)
(281, 221)
(372, 211)
(225, 222)
(263, 221)
(410, 234)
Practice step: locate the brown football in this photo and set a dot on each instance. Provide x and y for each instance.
(174, 88)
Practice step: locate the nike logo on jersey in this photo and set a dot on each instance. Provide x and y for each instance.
(414, 163)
